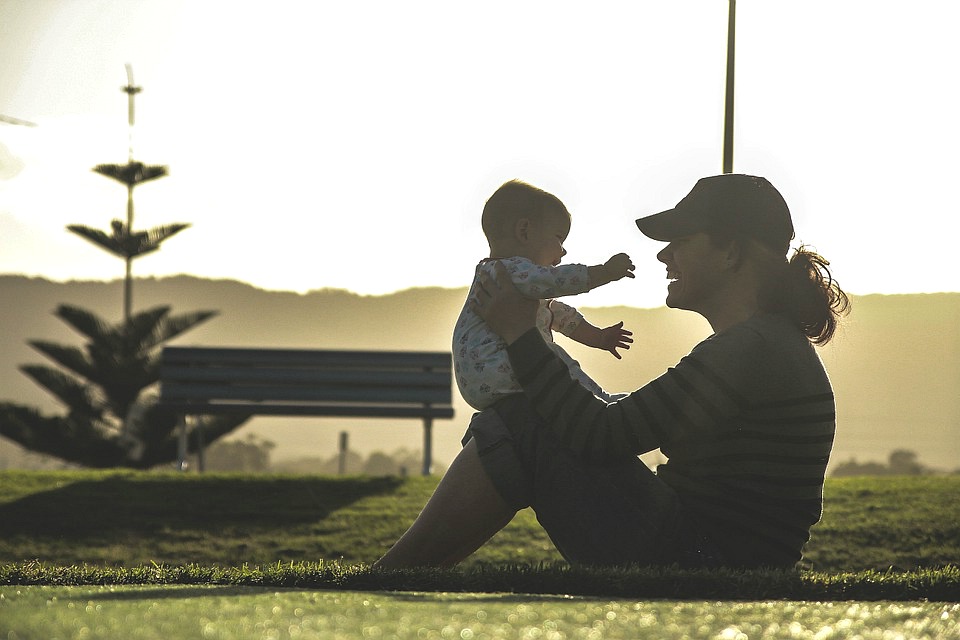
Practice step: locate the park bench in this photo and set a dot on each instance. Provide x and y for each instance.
(198, 381)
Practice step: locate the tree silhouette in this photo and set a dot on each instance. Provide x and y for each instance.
(901, 462)
(112, 415)
(112, 419)
(251, 455)
(123, 241)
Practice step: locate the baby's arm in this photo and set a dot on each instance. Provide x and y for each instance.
(571, 323)
(617, 267)
(609, 339)
(546, 282)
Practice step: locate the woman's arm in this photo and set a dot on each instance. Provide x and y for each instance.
(502, 306)
(688, 398)
(578, 419)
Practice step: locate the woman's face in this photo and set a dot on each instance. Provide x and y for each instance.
(696, 269)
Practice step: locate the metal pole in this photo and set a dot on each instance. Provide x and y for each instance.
(342, 457)
(182, 444)
(201, 456)
(728, 106)
(131, 90)
(128, 278)
(427, 445)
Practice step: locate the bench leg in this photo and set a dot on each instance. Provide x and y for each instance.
(427, 445)
(182, 444)
(201, 457)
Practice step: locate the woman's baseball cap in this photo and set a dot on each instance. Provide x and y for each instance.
(731, 201)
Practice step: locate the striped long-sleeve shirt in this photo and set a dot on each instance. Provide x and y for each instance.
(747, 422)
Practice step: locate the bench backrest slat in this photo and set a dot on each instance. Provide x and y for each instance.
(381, 395)
(308, 381)
(308, 409)
(219, 356)
(185, 375)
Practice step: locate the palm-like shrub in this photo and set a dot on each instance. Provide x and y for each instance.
(108, 390)
(123, 241)
(112, 417)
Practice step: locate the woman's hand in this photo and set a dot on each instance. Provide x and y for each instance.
(508, 313)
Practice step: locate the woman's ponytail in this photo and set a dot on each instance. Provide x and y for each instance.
(804, 290)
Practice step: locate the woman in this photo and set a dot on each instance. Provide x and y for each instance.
(746, 419)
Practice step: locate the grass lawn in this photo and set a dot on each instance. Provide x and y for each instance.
(222, 612)
(117, 518)
(150, 555)
(129, 518)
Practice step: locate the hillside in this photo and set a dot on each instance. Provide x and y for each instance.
(895, 365)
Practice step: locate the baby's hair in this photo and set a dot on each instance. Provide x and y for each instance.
(514, 200)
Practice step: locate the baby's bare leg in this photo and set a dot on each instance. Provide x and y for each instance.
(462, 514)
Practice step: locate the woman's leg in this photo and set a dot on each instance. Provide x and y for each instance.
(462, 514)
(605, 514)
(596, 514)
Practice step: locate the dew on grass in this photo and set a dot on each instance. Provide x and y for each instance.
(732, 633)
(381, 616)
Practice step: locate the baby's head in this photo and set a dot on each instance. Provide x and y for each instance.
(522, 220)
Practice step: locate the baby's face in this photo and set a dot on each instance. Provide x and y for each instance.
(546, 238)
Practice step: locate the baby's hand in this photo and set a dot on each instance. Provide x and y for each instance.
(615, 337)
(619, 266)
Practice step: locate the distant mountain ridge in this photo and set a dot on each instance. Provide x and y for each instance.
(895, 364)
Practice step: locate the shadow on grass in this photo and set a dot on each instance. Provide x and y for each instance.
(135, 505)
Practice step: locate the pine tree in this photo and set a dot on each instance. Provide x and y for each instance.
(112, 417)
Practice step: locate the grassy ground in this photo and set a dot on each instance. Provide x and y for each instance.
(117, 518)
(130, 555)
(126, 519)
(233, 612)
(941, 584)
(898, 522)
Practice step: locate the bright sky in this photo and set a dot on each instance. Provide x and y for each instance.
(352, 144)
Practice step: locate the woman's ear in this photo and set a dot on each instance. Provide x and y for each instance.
(735, 254)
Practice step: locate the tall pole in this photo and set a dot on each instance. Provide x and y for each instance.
(728, 106)
(131, 90)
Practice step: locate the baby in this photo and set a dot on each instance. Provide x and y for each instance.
(526, 228)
